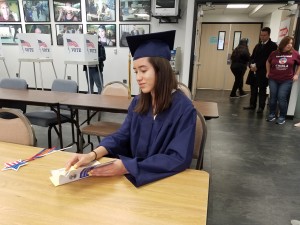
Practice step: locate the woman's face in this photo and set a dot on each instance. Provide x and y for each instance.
(101, 33)
(289, 46)
(4, 10)
(145, 74)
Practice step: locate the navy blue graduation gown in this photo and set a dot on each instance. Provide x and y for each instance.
(152, 149)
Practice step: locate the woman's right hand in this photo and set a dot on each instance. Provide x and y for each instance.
(79, 160)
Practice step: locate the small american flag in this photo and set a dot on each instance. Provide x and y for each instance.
(25, 43)
(90, 44)
(72, 43)
(42, 153)
(42, 44)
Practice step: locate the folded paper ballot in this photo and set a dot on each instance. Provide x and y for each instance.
(61, 176)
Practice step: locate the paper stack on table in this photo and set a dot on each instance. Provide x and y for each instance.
(61, 176)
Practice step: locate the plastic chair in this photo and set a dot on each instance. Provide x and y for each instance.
(185, 90)
(13, 83)
(104, 128)
(48, 118)
(200, 140)
(17, 130)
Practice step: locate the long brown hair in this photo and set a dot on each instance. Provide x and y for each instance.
(284, 42)
(165, 82)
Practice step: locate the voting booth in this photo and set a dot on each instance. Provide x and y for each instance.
(83, 50)
(35, 48)
(2, 58)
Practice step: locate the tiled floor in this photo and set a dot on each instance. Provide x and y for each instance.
(254, 165)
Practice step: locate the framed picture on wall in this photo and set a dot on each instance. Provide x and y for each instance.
(100, 11)
(67, 10)
(130, 30)
(8, 33)
(106, 33)
(134, 10)
(36, 11)
(9, 11)
(39, 29)
(61, 29)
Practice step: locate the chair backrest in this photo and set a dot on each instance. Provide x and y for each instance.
(14, 83)
(200, 140)
(115, 88)
(64, 86)
(185, 90)
(17, 130)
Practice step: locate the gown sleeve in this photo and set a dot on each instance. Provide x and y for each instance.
(163, 147)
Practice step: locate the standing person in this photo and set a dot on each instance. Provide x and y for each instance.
(157, 137)
(239, 61)
(281, 73)
(5, 13)
(257, 75)
(93, 70)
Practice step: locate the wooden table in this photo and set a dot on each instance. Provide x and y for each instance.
(208, 109)
(105, 103)
(36, 97)
(28, 197)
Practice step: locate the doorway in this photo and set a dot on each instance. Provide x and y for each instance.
(217, 43)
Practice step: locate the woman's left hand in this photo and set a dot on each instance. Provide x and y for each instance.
(116, 168)
(295, 77)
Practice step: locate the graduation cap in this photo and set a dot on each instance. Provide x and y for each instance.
(152, 45)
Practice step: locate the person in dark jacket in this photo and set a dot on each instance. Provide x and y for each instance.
(257, 75)
(93, 70)
(239, 62)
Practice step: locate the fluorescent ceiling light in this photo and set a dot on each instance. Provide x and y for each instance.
(238, 6)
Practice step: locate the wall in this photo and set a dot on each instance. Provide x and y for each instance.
(231, 18)
(116, 65)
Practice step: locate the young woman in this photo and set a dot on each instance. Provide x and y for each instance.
(157, 137)
(281, 73)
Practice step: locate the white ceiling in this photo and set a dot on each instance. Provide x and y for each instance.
(250, 11)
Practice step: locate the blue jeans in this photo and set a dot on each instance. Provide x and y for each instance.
(95, 79)
(279, 92)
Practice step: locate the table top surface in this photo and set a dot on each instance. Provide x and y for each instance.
(33, 96)
(208, 109)
(28, 196)
(90, 101)
(98, 102)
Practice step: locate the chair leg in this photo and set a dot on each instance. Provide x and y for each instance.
(49, 137)
(81, 144)
(81, 141)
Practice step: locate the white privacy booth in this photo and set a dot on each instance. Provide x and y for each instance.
(35, 48)
(82, 49)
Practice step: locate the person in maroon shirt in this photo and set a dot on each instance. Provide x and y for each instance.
(281, 73)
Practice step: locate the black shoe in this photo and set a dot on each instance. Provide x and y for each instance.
(234, 96)
(244, 94)
(249, 108)
(260, 110)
